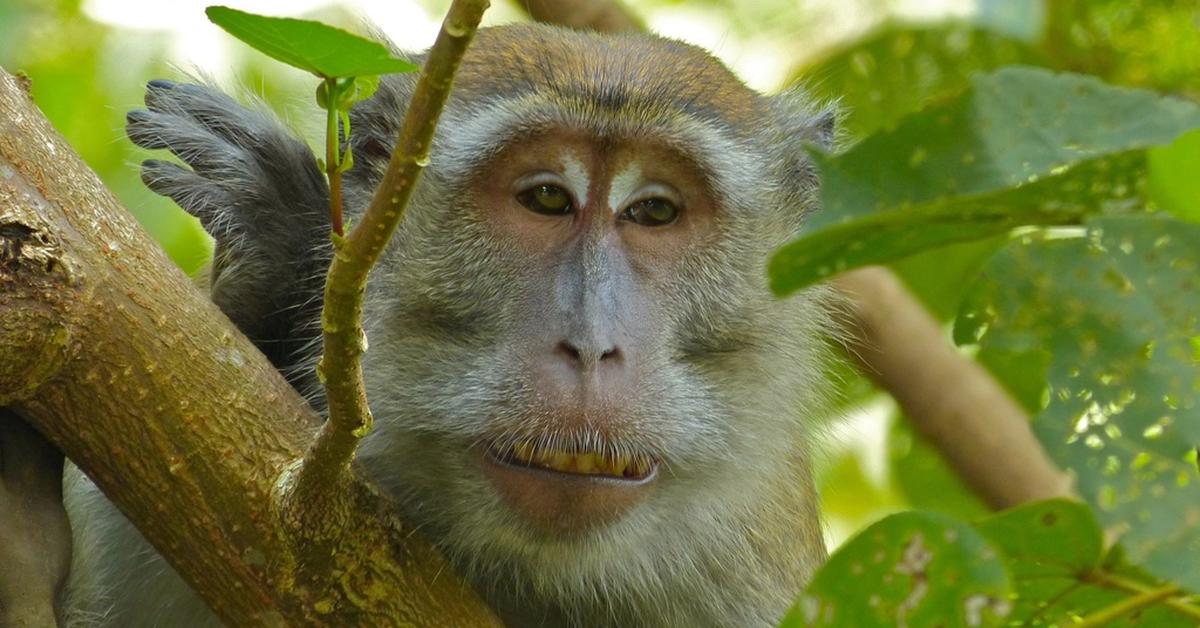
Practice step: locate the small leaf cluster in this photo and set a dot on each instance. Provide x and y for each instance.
(348, 66)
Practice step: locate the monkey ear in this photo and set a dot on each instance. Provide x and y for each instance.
(804, 121)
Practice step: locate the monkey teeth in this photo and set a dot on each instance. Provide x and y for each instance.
(635, 467)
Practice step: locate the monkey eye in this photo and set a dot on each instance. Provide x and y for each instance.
(652, 212)
(546, 199)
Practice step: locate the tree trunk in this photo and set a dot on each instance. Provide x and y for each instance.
(110, 351)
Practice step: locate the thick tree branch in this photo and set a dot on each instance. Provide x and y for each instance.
(108, 350)
(949, 399)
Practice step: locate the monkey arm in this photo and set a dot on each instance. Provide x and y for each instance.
(257, 190)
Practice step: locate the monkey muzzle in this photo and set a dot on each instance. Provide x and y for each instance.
(566, 491)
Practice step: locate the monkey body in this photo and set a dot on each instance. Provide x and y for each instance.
(584, 393)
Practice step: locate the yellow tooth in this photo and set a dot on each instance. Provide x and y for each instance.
(560, 460)
(639, 467)
(585, 463)
(618, 465)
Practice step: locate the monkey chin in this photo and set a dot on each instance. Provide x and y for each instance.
(565, 494)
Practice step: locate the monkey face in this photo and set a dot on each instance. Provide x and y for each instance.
(575, 364)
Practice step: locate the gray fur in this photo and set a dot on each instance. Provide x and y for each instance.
(731, 532)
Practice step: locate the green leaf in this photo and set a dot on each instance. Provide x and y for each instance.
(1150, 43)
(923, 476)
(1115, 312)
(1063, 198)
(897, 69)
(914, 569)
(1013, 150)
(1056, 538)
(1054, 551)
(311, 46)
(893, 72)
(1012, 126)
(1174, 184)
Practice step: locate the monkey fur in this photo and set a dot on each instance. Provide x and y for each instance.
(490, 323)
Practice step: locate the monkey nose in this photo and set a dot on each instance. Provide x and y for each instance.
(588, 355)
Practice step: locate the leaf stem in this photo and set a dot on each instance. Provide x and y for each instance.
(1114, 612)
(1114, 581)
(333, 159)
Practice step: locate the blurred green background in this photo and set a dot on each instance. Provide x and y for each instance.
(88, 61)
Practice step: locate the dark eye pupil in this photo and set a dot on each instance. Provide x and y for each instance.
(546, 199)
(652, 212)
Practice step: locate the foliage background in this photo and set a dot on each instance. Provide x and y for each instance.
(882, 59)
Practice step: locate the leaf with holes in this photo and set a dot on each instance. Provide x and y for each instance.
(311, 46)
(1020, 147)
(910, 569)
(1055, 553)
(1116, 316)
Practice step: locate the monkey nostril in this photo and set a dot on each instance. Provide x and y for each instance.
(570, 351)
(584, 357)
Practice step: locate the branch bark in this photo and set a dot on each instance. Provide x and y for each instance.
(108, 350)
(952, 401)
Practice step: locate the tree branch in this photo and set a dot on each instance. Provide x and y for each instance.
(951, 400)
(111, 352)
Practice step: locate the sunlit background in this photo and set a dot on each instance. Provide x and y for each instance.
(89, 60)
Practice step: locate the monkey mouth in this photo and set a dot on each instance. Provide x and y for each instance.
(564, 492)
(613, 465)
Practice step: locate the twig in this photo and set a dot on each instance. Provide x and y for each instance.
(333, 162)
(354, 256)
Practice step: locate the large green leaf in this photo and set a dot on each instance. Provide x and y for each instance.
(1174, 184)
(1063, 198)
(910, 569)
(311, 46)
(1054, 551)
(1117, 316)
(1020, 147)
(895, 70)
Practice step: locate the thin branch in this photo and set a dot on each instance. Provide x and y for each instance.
(333, 160)
(341, 320)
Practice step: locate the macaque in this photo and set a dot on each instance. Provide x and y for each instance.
(584, 393)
